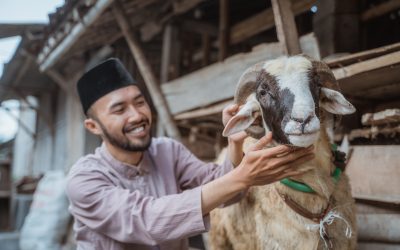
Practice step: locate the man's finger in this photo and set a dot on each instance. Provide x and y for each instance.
(264, 141)
(275, 151)
(231, 108)
(292, 157)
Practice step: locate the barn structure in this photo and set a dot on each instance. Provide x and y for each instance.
(188, 55)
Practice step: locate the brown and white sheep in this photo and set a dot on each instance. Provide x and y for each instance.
(291, 97)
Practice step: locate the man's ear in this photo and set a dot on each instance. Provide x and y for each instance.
(243, 119)
(334, 102)
(93, 126)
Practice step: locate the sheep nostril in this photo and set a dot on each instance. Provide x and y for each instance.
(301, 120)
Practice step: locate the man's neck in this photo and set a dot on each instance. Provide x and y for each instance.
(129, 157)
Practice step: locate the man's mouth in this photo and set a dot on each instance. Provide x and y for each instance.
(136, 130)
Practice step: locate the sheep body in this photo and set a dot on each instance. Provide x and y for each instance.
(262, 219)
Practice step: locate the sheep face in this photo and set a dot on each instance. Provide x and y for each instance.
(287, 94)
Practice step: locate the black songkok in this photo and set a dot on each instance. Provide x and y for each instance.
(102, 79)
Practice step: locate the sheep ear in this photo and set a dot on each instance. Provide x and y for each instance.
(242, 120)
(334, 102)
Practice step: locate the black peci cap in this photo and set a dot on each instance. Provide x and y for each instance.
(102, 79)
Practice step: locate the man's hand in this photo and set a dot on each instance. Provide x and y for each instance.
(235, 141)
(262, 165)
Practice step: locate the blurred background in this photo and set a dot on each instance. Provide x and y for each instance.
(191, 53)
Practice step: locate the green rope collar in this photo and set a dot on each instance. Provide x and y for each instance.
(302, 187)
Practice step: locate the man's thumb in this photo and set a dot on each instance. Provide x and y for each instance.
(264, 141)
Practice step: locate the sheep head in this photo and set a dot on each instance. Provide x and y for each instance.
(288, 95)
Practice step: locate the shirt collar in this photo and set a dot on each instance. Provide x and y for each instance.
(126, 169)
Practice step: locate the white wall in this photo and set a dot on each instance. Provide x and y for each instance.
(22, 163)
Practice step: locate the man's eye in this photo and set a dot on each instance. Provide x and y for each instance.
(118, 111)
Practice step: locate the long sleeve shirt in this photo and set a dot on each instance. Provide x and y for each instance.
(154, 205)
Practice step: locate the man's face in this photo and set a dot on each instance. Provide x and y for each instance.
(123, 119)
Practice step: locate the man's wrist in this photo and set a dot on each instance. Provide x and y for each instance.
(236, 176)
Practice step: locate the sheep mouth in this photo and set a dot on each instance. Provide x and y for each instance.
(302, 133)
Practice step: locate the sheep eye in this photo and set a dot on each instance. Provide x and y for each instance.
(263, 92)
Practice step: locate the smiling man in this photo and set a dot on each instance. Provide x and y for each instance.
(140, 192)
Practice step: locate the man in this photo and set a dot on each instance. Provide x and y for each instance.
(139, 192)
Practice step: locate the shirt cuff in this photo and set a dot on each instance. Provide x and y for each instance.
(199, 223)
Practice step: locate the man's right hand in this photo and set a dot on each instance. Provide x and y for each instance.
(261, 165)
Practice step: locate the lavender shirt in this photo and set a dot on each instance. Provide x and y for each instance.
(154, 205)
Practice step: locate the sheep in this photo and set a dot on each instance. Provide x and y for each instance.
(291, 97)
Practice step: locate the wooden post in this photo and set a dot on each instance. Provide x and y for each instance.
(286, 26)
(166, 54)
(206, 44)
(337, 26)
(147, 73)
(224, 29)
(170, 58)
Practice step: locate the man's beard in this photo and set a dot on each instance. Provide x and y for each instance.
(125, 143)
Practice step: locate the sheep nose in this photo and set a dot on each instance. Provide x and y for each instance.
(303, 122)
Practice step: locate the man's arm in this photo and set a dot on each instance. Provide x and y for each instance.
(131, 217)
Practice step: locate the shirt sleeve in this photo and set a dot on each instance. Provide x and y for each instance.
(129, 216)
(192, 172)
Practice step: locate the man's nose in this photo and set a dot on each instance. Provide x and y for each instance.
(134, 114)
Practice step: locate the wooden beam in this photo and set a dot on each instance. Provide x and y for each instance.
(381, 118)
(368, 65)
(263, 21)
(146, 71)
(211, 110)
(223, 36)
(380, 10)
(361, 56)
(286, 26)
(170, 54)
(206, 46)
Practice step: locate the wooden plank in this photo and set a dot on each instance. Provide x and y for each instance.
(373, 132)
(263, 21)
(377, 246)
(374, 171)
(379, 227)
(285, 26)
(368, 65)
(223, 35)
(362, 56)
(211, 110)
(383, 117)
(147, 72)
(217, 82)
(380, 10)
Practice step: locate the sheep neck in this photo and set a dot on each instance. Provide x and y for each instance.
(318, 178)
